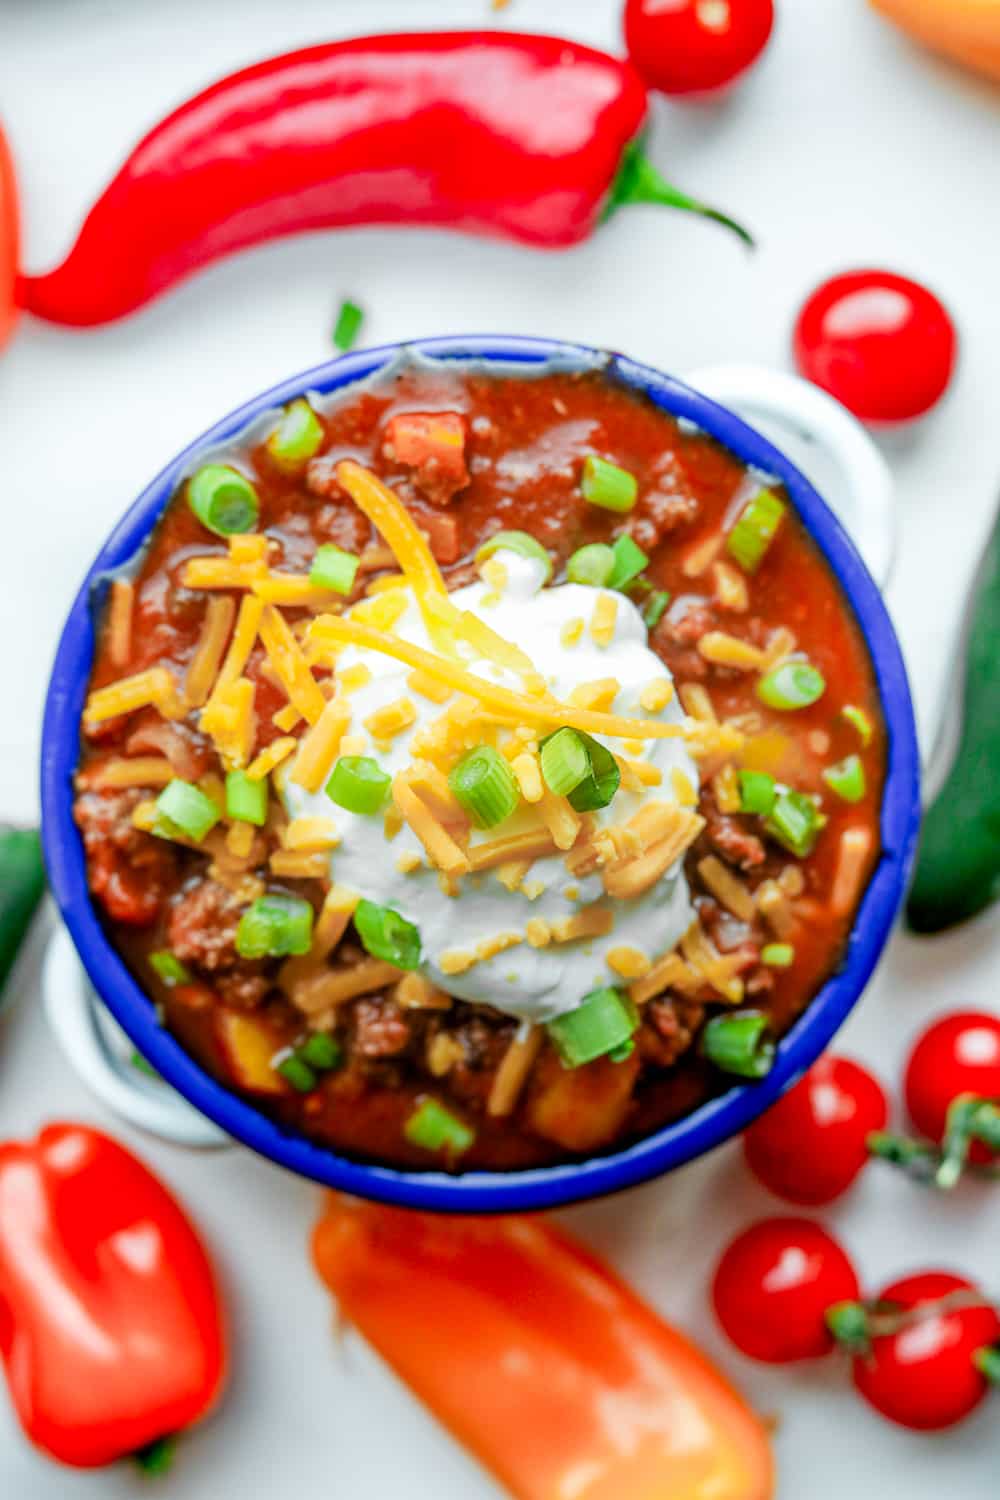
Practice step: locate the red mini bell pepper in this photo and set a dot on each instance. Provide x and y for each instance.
(9, 232)
(530, 138)
(111, 1328)
(539, 1359)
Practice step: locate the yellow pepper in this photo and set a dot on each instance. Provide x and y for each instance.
(966, 30)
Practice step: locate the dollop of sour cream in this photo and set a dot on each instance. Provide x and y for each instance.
(532, 984)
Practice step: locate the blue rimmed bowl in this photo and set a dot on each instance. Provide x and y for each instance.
(483, 1192)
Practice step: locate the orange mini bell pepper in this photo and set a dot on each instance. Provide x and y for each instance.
(9, 239)
(539, 1359)
(966, 30)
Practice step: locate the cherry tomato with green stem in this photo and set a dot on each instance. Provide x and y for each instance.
(695, 46)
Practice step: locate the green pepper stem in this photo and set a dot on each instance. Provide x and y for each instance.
(920, 1161)
(156, 1457)
(638, 181)
(987, 1362)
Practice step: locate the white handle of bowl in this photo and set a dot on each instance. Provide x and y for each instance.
(86, 1035)
(825, 441)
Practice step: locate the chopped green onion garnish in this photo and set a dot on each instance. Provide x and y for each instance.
(629, 561)
(757, 792)
(847, 778)
(520, 542)
(385, 934)
(777, 955)
(275, 926)
(565, 761)
(184, 808)
(298, 1073)
(333, 568)
(795, 821)
(603, 778)
(321, 1051)
(624, 1052)
(604, 1021)
(861, 722)
(593, 564)
(484, 784)
(223, 499)
(348, 325)
(246, 800)
(297, 437)
(755, 530)
(434, 1128)
(655, 607)
(795, 684)
(739, 1043)
(169, 968)
(608, 486)
(358, 784)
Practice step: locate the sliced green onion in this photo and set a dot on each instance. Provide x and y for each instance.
(358, 784)
(564, 761)
(434, 1128)
(520, 542)
(297, 437)
(739, 1043)
(757, 792)
(333, 568)
(847, 778)
(169, 968)
(624, 1052)
(860, 721)
(184, 808)
(777, 955)
(275, 926)
(223, 499)
(598, 787)
(593, 564)
(795, 822)
(246, 800)
(484, 784)
(795, 684)
(348, 325)
(608, 486)
(629, 561)
(655, 607)
(298, 1073)
(321, 1051)
(755, 530)
(604, 1021)
(385, 934)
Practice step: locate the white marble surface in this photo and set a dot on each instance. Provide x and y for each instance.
(846, 147)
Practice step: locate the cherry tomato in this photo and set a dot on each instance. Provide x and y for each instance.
(693, 46)
(811, 1145)
(924, 1375)
(959, 1054)
(773, 1286)
(883, 345)
(8, 241)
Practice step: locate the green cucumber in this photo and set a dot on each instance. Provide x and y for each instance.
(958, 864)
(22, 881)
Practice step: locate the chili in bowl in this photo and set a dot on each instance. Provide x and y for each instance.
(479, 774)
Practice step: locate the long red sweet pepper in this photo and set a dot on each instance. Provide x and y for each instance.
(110, 1323)
(8, 240)
(530, 138)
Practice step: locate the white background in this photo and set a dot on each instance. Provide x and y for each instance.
(846, 147)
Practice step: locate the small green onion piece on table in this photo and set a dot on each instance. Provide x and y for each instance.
(755, 529)
(333, 568)
(184, 808)
(757, 792)
(777, 955)
(795, 822)
(740, 1043)
(847, 778)
(358, 784)
(223, 499)
(605, 485)
(603, 1024)
(142, 1065)
(520, 542)
(629, 561)
(860, 721)
(655, 608)
(793, 685)
(593, 564)
(483, 783)
(348, 325)
(168, 967)
(434, 1128)
(275, 926)
(297, 437)
(564, 761)
(246, 799)
(385, 934)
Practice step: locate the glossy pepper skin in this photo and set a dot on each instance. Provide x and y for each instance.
(9, 236)
(523, 137)
(111, 1328)
(539, 1359)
